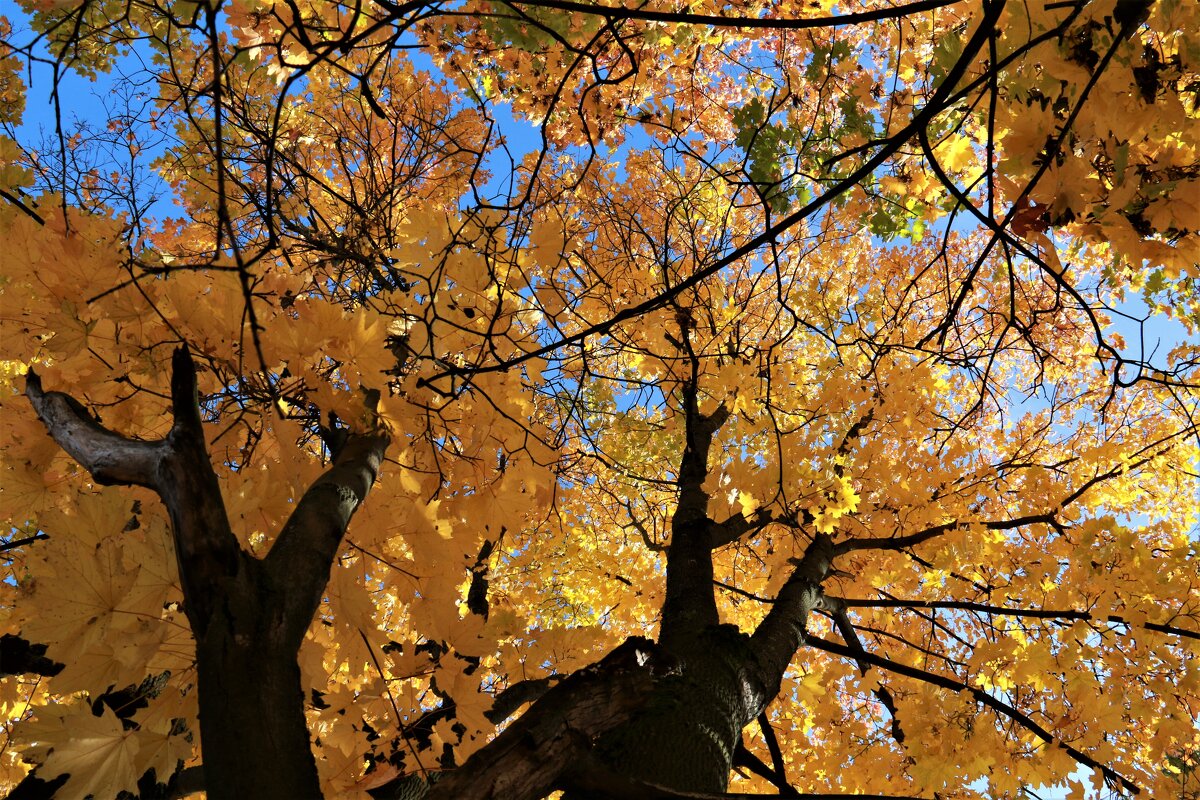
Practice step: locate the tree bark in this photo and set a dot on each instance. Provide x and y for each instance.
(532, 756)
(254, 735)
(686, 737)
(689, 604)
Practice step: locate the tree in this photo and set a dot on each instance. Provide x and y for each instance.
(793, 337)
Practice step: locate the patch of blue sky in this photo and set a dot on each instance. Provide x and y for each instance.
(89, 136)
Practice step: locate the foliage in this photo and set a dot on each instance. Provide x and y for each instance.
(817, 323)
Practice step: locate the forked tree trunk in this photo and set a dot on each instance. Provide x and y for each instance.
(248, 615)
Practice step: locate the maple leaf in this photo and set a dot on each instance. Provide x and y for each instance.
(96, 751)
(1032, 218)
(86, 597)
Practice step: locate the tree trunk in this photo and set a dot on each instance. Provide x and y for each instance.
(555, 735)
(685, 737)
(252, 723)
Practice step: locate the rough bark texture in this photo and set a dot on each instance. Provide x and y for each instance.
(689, 606)
(700, 712)
(686, 735)
(529, 758)
(782, 631)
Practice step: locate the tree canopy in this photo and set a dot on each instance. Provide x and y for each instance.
(764, 397)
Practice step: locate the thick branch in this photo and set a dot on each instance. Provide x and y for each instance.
(745, 759)
(112, 459)
(1111, 776)
(207, 551)
(517, 695)
(1034, 613)
(178, 468)
(779, 768)
(298, 564)
(735, 21)
(783, 630)
(699, 430)
(850, 637)
(187, 781)
(530, 758)
(912, 539)
(24, 540)
(737, 526)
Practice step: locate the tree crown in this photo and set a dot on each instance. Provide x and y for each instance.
(810, 320)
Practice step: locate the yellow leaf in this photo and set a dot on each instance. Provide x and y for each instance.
(97, 752)
(75, 609)
(353, 606)
(955, 153)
